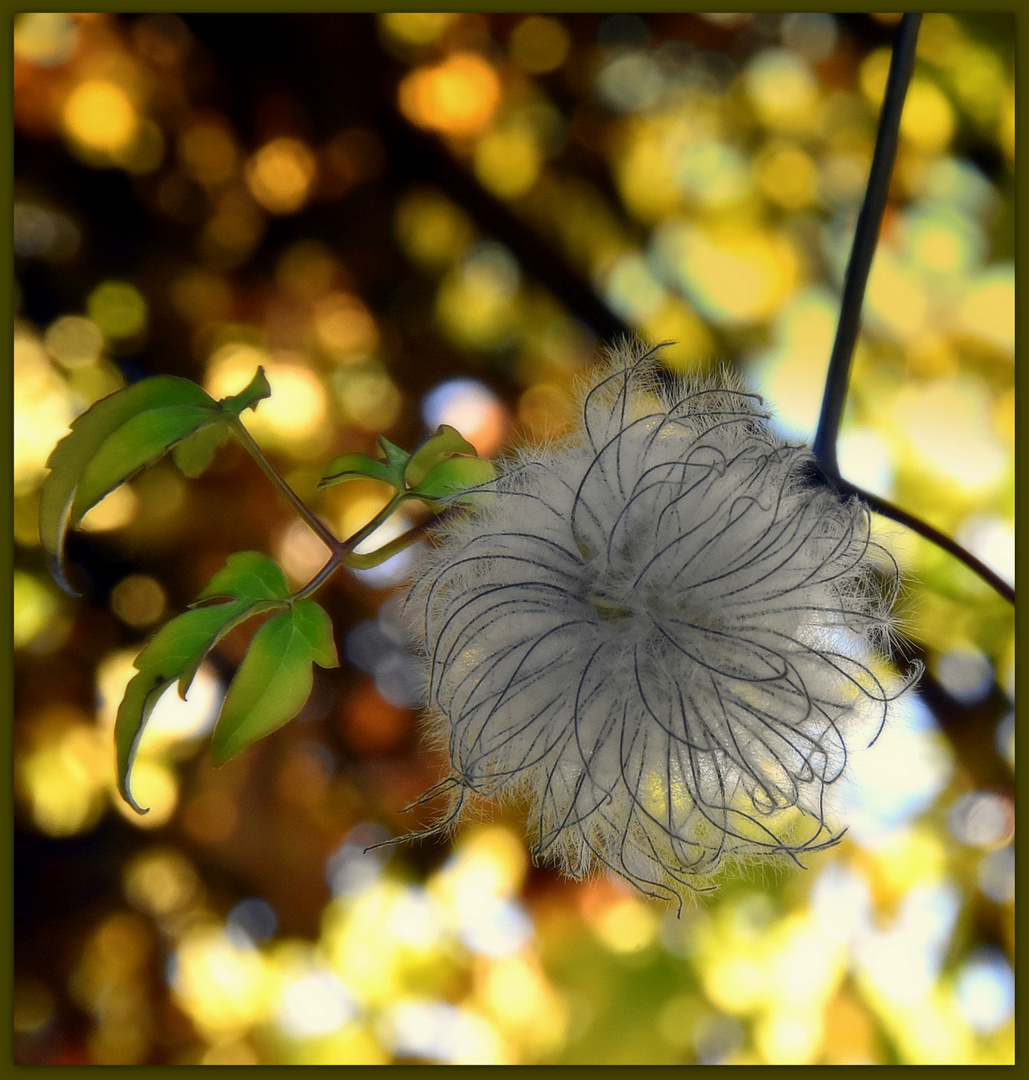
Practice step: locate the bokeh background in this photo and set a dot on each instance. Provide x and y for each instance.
(410, 219)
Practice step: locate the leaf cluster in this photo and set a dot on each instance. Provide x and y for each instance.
(132, 429)
(442, 472)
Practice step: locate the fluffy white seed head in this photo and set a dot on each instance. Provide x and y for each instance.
(660, 633)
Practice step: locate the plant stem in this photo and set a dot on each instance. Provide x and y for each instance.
(923, 528)
(319, 579)
(866, 238)
(367, 530)
(337, 547)
(346, 556)
(387, 551)
(343, 553)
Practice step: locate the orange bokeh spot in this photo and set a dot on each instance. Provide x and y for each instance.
(372, 725)
(280, 175)
(100, 116)
(457, 97)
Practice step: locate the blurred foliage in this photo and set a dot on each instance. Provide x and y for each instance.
(411, 220)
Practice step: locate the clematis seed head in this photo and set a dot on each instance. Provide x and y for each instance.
(661, 633)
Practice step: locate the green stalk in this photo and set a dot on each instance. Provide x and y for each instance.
(317, 526)
(346, 556)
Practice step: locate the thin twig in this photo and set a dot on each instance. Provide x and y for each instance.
(866, 239)
(941, 540)
(886, 509)
(345, 555)
(314, 522)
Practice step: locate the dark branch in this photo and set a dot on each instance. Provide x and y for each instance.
(866, 238)
(923, 528)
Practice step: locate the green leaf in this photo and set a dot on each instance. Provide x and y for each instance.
(352, 466)
(389, 468)
(174, 653)
(256, 390)
(444, 444)
(454, 481)
(83, 467)
(193, 454)
(248, 575)
(406, 472)
(275, 678)
(395, 458)
(138, 442)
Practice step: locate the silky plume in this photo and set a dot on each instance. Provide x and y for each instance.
(661, 633)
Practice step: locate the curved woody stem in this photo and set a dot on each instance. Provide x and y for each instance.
(881, 506)
(866, 238)
(923, 528)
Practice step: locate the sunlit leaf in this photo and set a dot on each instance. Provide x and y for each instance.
(256, 390)
(430, 473)
(353, 466)
(454, 480)
(395, 458)
(194, 453)
(122, 434)
(138, 442)
(173, 654)
(444, 444)
(83, 468)
(389, 468)
(275, 678)
(248, 575)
